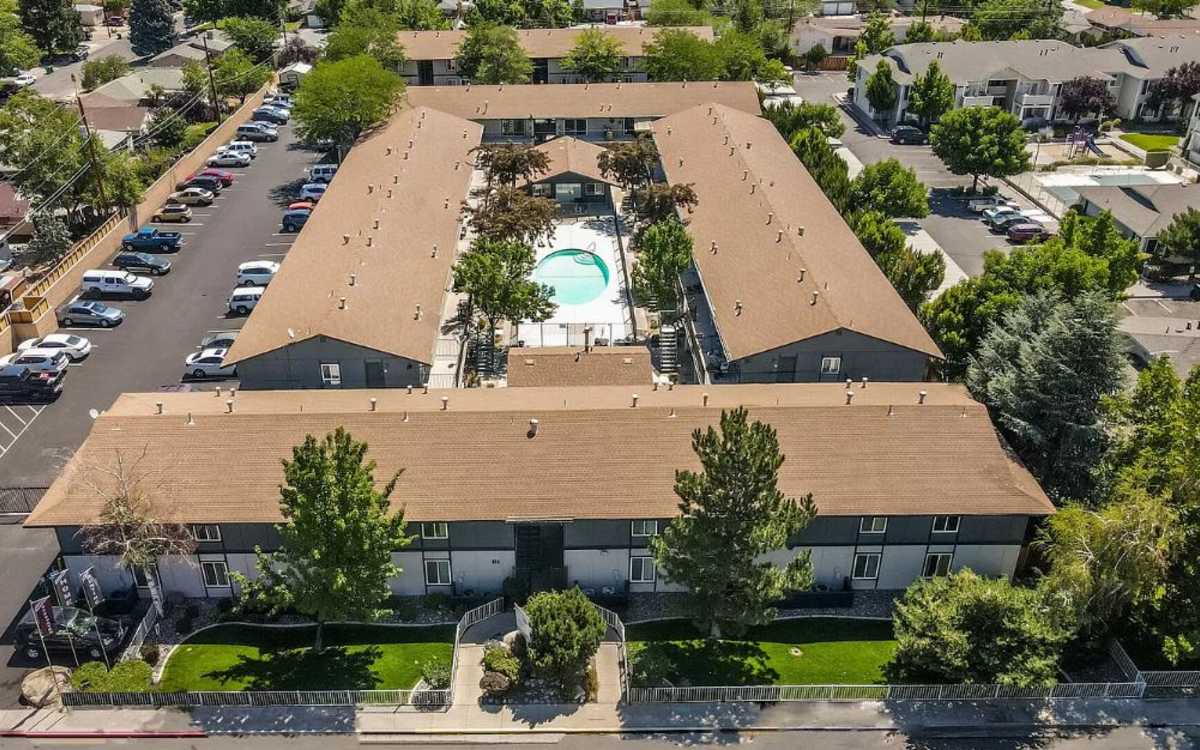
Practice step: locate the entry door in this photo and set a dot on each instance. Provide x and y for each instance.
(374, 373)
(425, 72)
(785, 372)
(541, 70)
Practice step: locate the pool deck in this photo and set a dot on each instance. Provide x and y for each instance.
(606, 314)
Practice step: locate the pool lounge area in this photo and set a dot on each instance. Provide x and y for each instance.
(582, 263)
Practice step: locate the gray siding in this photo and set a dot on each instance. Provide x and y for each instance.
(244, 537)
(862, 356)
(906, 530)
(992, 529)
(298, 366)
(596, 534)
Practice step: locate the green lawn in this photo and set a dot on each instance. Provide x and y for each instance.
(832, 651)
(1093, 4)
(1151, 141)
(355, 657)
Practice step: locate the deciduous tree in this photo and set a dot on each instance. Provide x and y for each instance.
(566, 631)
(338, 534)
(495, 273)
(509, 213)
(914, 275)
(1084, 95)
(1164, 8)
(100, 71)
(931, 94)
(881, 90)
(151, 27)
(657, 201)
(680, 55)
(596, 56)
(53, 25)
(339, 100)
(630, 164)
(731, 514)
(492, 54)
(877, 33)
(891, 188)
(43, 137)
(788, 118)
(366, 30)
(664, 252)
(51, 239)
(254, 36)
(815, 55)
(237, 75)
(18, 50)
(167, 126)
(677, 13)
(828, 169)
(1182, 237)
(980, 141)
(507, 164)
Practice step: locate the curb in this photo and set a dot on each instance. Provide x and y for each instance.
(674, 729)
(101, 734)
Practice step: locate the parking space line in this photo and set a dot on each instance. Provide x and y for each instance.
(10, 411)
(1162, 305)
(17, 437)
(277, 244)
(271, 255)
(10, 432)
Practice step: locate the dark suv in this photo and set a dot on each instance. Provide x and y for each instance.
(908, 134)
(208, 182)
(20, 385)
(129, 260)
(72, 626)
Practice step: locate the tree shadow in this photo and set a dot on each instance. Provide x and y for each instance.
(283, 668)
(703, 662)
(288, 192)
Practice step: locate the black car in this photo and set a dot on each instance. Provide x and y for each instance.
(908, 134)
(1007, 223)
(134, 261)
(209, 183)
(73, 626)
(20, 385)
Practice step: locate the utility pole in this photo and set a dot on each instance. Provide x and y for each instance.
(212, 84)
(91, 145)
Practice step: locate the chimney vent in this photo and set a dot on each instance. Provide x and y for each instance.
(705, 399)
(737, 306)
(229, 406)
(770, 216)
(533, 428)
(635, 398)
(190, 421)
(410, 389)
(341, 303)
(370, 241)
(434, 254)
(849, 397)
(417, 315)
(921, 396)
(158, 407)
(891, 410)
(373, 403)
(864, 381)
(345, 239)
(353, 279)
(814, 297)
(445, 403)
(779, 236)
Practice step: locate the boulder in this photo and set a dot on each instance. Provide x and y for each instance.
(38, 686)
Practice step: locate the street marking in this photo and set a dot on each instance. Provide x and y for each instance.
(10, 432)
(10, 411)
(271, 255)
(277, 244)
(1161, 304)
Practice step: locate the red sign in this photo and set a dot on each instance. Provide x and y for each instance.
(43, 615)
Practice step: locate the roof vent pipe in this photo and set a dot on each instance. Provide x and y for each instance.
(704, 399)
(654, 386)
(190, 422)
(814, 297)
(341, 303)
(229, 406)
(345, 239)
(849, 383)
(533, 428)
(635, 398)
(389, 192)
(737, 307)
(376, 226)
(410, 389)
(799, 231)
(395, 179)
(353, 278)
(425, 388)
(373, 403)
(752, 186)
(445, 403)
(891, 410)
(921, 396)
(745, 174)
(779, 236)
(158, 407)
(802, 272)
(219, 391)
(770, 216)
(714, 247)
(864, 381)
(370, 241)
(370, 189)
(849, 397)
(434, 254)
(417, 314)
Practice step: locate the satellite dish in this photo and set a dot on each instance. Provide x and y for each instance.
(93, 413)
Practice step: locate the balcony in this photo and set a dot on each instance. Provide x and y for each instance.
(1036, 100)
(978, 101)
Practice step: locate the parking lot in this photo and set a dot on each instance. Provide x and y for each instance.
(146, 352)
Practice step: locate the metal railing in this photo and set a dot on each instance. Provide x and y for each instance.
(263, 698)
(134, 647)
(614, 621)
(836, 693)
(469, 618)
(1155, 683)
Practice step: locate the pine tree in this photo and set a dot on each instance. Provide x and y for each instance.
(151, 27)
(53, 24)
(730, 515)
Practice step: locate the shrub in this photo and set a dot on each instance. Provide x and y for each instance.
(150, 653)
(128, 676)
(88, 676)
(195, 133)
(515, 589)
(494, 683)
(184, 625)
(436, 674)
(498, 659)
(567, 631)
(224, 605)
(193, 610)
(435, 601)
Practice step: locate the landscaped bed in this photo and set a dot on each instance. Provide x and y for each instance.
(831, 651)
(1151, 141)
(355, 657)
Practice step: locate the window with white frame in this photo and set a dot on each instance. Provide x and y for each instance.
(937, 564)
(437, 572)
(641, 570)
(216, 574)
(435, 530)
(139, 575)
(945, 524)
(575, 126)
(645, 528)
(331, 373)
(866, 565)
(872, 525)
(831, 365)
(512, 127)
(206, 532)
(593, 188)
(543, 189)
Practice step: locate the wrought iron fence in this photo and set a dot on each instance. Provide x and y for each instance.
(835, 693)
(148, 623)
(264, 698)
(469, 618)
(613, 621)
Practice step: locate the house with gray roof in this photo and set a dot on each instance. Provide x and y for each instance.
(1142, 212)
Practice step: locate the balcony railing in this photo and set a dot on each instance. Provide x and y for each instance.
(1036, 100)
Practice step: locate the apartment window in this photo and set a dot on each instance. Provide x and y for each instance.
(645, 528)
(543, 189)
(437, 572)
(866, 565)
(872, 525)
(206, 532)
(831, 365)
(641, 570)
(575, 127)
(568, 191)
(436, 530)
(512, 127)
(593, 188)
(331, 373)
(937, 564)
(216, 574)
(945, 524)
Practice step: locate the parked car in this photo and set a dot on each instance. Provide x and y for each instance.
(153, 240)
(207, 182)
(101, 283)
(313, 191)
(268, 127)
(226, 177)
(253, 131)
(74, 629)
(278, 115)
(256, 272)
(1003, 225)
(20, 385)
(193, 196)
(1194, 295)
(243, 299)
(301, 206)
(979, 205)
(37, 360)
(228, 159)
(87, 313)
(998, 212)
(132, 260)
(293, 220)
(173, 212)
(279, 100)
(208, 363)
(245, 147)
(220, 340)
(908, 134)
(1027, 232)
(75, 347)
(25, 79)
(322, 172)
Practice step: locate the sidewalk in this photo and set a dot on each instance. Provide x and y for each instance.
(610, 718)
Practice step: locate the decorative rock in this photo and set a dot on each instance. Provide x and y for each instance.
(38, 686)
(514, 641)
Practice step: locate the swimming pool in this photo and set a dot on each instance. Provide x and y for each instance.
(577, 276)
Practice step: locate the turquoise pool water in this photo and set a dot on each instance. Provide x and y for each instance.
(577, 276)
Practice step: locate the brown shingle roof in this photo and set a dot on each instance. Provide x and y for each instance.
(573, 156)
(443, 45)
(779, 240)
(594, 454)
(569, 365)
(596, 100)
(394, 200)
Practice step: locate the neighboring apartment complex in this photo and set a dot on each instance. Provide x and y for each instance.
(430, 55)
(1142, 212)
(909, 480)
(1024, 77)
(837, 35)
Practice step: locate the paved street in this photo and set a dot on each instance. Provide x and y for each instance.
(957, 230)
(58, 85)
(146, 352)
